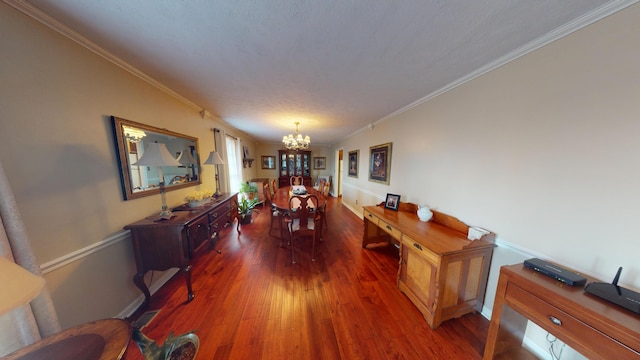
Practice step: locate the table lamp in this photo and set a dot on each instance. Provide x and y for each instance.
(215, 159)
(19, 286)
(185, 158)
(156, 154)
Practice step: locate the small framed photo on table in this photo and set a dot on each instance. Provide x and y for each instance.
(392, 202)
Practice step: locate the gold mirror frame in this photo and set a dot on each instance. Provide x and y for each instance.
(133, 181)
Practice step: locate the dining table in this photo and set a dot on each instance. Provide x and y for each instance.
(282, 195)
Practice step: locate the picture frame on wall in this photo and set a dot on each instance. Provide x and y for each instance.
(268, 162)
(380, 163)
(353, 163)
(392, 202)
(319, 163)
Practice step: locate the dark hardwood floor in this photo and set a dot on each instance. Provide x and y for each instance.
(251, 302)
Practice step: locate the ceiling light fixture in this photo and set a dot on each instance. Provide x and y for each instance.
(297, 142)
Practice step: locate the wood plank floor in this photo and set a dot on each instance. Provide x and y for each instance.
(251, 302)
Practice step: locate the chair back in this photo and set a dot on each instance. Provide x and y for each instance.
(274, 187)
(325, 189)
(296, 180)
(267, 193)
(303, 212)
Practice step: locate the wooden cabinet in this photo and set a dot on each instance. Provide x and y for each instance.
(294, 163)
(591, 326)
(161, 245)
(442, 272)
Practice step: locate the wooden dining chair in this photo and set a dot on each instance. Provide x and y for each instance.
(303, 219)
(276, 216)
(274, 187)
(296, 180)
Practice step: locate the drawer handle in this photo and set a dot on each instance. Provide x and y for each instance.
(215, 226)
(555, 320)
(417, 246)
(389, 228)
(215, 215)
(370, 215)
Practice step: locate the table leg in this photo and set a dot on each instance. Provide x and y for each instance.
(187, 276)
(138, 279)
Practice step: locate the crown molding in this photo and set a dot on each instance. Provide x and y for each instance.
(33, 12)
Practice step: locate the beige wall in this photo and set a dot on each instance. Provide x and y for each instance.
(57, 149)
(544, 151)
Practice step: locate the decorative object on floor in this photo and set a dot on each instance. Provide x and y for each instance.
(156, 154)
(392, 202)
(297, 142)
(215, 159)
(19, 286)
(181, 347)
(245, 207)
(198, 198)
(424, 213)
(380, 163)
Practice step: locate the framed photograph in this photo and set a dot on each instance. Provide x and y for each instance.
(319, 162)
(245, 152)
(268, 162)
(380, 163)
(353, 163)
(392, 202)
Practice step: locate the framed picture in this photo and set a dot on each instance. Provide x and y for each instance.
(380, 163)
(319, 162)
(245, 152)
(353, 163)
(392, 202)
(268, 162)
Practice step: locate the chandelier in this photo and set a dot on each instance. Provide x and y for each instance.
(297, 142)
(133, 134)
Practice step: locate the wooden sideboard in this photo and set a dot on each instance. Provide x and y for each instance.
(591, 326)
(161, 245)
(442, 272)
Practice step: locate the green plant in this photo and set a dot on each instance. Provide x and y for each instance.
(246, 205)
(248, 187)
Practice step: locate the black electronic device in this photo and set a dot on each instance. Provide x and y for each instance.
(552, 270)
(618, 295)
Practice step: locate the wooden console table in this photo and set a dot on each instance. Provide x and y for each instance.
(442, 272)
(591, 326)
(161, 245)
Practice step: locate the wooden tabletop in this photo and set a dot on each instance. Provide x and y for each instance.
(105, 339)
(281, 198)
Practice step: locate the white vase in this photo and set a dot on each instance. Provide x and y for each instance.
(198, 203)
(424, 213)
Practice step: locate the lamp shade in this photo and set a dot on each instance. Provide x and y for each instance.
(19, 286)
(185, 158)
(214, 159)
(156, 154)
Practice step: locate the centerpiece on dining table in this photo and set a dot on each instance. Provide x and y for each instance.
(298, 190)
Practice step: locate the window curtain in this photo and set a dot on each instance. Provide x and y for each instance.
(234, 163)
(37, 320)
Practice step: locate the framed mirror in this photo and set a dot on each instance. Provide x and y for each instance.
(139, 181)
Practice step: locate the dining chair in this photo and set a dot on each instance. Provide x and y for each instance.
(296, 180)
(274, 187)
(303, 219)
(275, 213)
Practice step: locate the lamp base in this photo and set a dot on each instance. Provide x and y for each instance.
(165, 215)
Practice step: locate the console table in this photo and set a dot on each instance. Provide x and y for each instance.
(442, 272)
(161, 245)
(591, 326)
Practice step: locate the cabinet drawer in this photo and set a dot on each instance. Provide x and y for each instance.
(372, 218)
(566, 327)
(395, 233)
(420, 250)
(197, 233)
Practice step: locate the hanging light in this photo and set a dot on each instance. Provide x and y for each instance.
(297, 142)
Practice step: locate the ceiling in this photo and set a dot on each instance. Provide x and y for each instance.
(336, 66)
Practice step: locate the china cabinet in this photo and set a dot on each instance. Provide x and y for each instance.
(294, 163)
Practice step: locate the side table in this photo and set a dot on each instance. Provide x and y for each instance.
(105, 339)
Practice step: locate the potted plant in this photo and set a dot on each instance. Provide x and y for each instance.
(250, 189)
(244, 209)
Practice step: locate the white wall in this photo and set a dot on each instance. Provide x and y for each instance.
(57, 149)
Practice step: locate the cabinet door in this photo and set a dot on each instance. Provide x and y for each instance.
(305, 164)
(418, 275)
(197, 233)
(283, 164)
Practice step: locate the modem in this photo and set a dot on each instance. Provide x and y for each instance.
(554, 271)
(618, 295)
